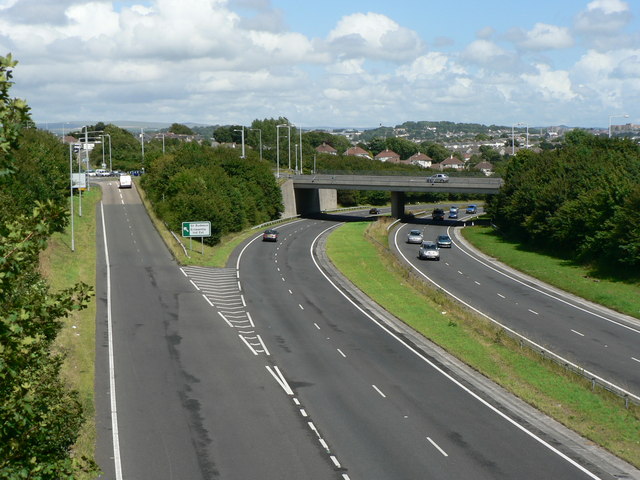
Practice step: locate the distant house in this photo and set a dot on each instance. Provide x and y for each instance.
(485, 167)
(452, 162)
(358, 152)
(325, 148)
(388, 156)
(421, 159)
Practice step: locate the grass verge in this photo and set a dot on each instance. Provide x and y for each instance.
(620, 295)
(63, 268)
(360, 252)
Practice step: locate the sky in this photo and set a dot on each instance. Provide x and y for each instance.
(348, 63)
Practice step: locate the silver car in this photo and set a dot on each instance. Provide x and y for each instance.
(444, 241)
(414, 236)
(438, 178)
(429, 251)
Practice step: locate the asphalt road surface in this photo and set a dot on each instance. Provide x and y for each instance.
(264, 370)
(598, 340)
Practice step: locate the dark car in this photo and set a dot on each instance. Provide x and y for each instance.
(270, 235)
(375, 211)
(444, 241)
(437, 214)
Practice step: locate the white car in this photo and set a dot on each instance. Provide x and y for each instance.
(429, 251)
(438, 178)
(414, 236)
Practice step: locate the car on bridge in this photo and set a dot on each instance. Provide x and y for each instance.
(438, 178)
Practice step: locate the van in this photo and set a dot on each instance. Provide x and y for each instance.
(125, 181)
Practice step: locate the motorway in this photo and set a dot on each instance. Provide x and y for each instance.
(596, 339)
(264, 370)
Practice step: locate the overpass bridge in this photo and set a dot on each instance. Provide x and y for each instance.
(304, 194)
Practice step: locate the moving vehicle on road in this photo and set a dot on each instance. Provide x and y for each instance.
(125, 181)
(438, 178)
(472, 209)
(429, 251)
(270, 235)
(453, 212)
(444, 241)
(437, 214)
(375, 211)
(414, 236)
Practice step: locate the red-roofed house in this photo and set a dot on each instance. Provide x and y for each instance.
(358, 152)
(388, 156)
(421, 159)
(325, 148)
(452, 162)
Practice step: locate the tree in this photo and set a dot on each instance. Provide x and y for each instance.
(39, 417)
(180, 129)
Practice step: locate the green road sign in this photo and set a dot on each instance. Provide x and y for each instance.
(196, 229)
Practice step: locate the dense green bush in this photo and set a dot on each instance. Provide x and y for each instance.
(199, 183)
(582, 200)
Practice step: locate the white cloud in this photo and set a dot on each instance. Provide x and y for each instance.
(551, 85)
(484, 52)
(375, 36)
(546, 37)
(602, 23)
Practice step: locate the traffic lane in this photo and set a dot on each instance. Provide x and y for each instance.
(605, 348)
(183, 409)
(375, 401)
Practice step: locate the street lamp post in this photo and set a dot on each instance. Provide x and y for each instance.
(242, 131)
(110, 163)
(259, 140)
(73, 245)
(142, 143)
(624, 115)
(278, 147)
(300, 132)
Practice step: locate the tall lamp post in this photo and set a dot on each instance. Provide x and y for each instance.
(73, 245)
(107, 135)
(241, 130)
(278, 127)
(259, 139)
(624, 115)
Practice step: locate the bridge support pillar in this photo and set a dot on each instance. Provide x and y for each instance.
(397, 204)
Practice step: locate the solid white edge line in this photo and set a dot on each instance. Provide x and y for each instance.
(442, 372)
(117, 460)
(586, 373)
(193, 283)
(559, 299)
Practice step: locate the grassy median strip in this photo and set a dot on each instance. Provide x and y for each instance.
(63, 268)
(622, 295)
(360, 252)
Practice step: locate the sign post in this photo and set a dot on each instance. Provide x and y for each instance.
(196, 229)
